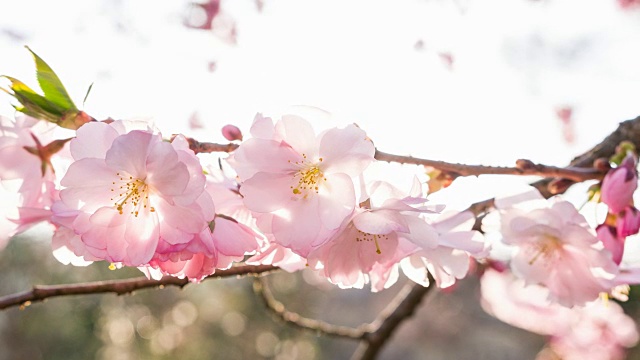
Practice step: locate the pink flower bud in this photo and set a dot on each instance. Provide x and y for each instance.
(611, 241)
(628, 222)
(231, 133)
(619, 184)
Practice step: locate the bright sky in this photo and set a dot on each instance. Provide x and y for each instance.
(514, 63)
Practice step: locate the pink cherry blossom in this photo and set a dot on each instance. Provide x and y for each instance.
(451, 259)
(554, 246)
(214, 249)
(628, 222)
(300, 185)
(619, 185)
(127, 189)
(379, 234)
(224, 241)
(598, 330)
(271, 253)
(27, 180)
(611, 241)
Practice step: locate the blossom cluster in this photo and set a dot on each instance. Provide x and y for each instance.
(118, 191)
(297, 200)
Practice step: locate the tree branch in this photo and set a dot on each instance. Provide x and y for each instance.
(628, 130)
(399, 309)
(277, 308)
(523, 167)
(373, 336)
(120, 287)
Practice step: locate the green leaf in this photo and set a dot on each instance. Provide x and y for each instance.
(51, 85)
(34, 102)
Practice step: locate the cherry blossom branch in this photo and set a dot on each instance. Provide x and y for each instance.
(278, 309)
(119, 287)
(207, 147)
(523, 167)
(373, 336)
(628, 130)
(398, 310)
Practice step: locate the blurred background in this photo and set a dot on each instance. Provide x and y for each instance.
(456, 80)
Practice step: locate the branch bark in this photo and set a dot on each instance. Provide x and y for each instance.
(120, 287)
(523, 167)
(261, 288)
(628, 130)
(372, 336)
(399, 309)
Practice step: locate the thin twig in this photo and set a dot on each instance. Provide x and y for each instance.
(523, 167)
(399, 309)
(627, 131)
(277, 308)
(373, 336)
(207, 147)
(120, 287)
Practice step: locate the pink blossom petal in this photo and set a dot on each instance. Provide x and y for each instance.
(415, 268)
(346, 150)
(380, 222)
(266, 192)
(233, 238)
(421, 233)
(166, 174)
(92, 140)
(262, 127)
(336, 200)
(17, 163)
(142, 237)
(187, 219)
(469, 241)
(129, 153)
(260, 155)
(299, 229)
(298, 133)
(63, 250)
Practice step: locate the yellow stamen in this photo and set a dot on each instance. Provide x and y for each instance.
(363, 236)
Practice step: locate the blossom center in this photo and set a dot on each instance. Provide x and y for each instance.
(131, 192)
(309, 177)
(364, 236)
(545, 246)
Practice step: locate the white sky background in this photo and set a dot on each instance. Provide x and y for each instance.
(515, 61)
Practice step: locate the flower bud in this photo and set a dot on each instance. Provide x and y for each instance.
(628, 222)
(619, 185)
(601, 164)
(231, 133)
(611, 241)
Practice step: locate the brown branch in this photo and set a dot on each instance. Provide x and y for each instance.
(207, 147)
(399, 309)
(277, 308)
(120, 287)
(627, 131)
(373, 336)
(523, 167)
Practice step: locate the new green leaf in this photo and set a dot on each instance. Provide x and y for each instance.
(51, 85)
